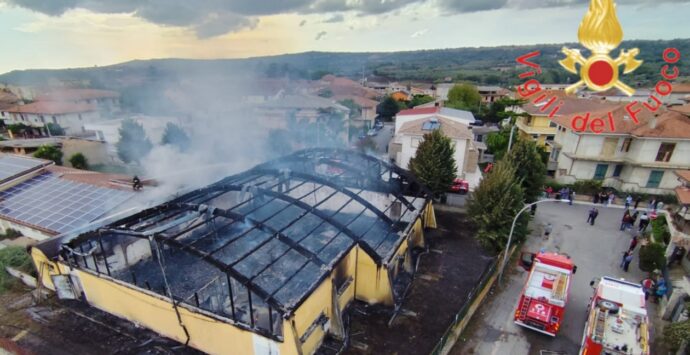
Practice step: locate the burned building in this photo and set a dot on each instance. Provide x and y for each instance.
(262, 262)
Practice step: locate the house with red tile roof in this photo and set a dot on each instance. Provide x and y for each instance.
(407, 138)
(459, 116)
(71, 116)
(635, 157)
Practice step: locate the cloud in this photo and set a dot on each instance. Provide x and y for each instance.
(302, 23)
(320, 35)
(419, 33)
(209, 18)
(335, 19)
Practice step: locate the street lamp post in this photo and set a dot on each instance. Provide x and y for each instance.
(512, 228)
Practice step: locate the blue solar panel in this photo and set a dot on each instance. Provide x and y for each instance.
(57, 204)
(11, 165)
(431, 125)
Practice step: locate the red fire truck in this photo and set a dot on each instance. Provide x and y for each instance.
(543, 299)
(617, 321)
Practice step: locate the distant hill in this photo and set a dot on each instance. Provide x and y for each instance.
(485, 65)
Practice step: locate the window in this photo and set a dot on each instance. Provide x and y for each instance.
(665, 152)
(528, 121)
(600, 173)
(618, 170)
(480, 138)
(655, 178)
(79, 117)
(549, 138)
(626, 145)
(535, 136)
(553, 124)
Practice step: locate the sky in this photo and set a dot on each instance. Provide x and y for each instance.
(81, 33)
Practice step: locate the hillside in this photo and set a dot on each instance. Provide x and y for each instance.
(486, 65)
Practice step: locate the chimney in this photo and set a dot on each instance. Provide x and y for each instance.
(652, 121)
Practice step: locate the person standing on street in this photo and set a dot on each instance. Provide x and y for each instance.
(610, 198)
(637, 201)
(628, 201)
(593, 213)
(634, 218)
(633, 244)
(648, 285)
(644, 221)
(571, 197)
(627, 260)
(547, 230)
(625, 220)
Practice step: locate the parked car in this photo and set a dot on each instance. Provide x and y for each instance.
(478, 123)
(372, 132)
(378, 125)
(460, 186)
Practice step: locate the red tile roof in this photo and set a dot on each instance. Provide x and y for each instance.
(684, 174)
(419, 111)
(683, 194)
(361, 101)
(91, 177)
(76, 95)
(570, 104)
(669, 124)
(684, 109)
(681, 88)
(53, 108)
(450, 128)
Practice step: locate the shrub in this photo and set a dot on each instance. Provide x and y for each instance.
(15, 257)
(652, 257)
(49, 152)
(660, 231)
(10, 234)
(587, 187)
(79, 161)
(675, 333)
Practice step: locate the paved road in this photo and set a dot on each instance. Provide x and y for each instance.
(596, 250)
(384, 137)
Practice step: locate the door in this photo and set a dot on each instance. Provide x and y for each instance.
(600, 172)
(609, 148)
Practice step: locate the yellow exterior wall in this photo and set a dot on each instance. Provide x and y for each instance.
(151, 311)
(372, 281)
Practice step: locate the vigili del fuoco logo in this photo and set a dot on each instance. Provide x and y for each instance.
(601, 33)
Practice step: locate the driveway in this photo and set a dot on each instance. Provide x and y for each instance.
(596, 250)
(384, 137)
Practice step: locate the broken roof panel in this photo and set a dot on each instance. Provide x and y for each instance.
(279, 230)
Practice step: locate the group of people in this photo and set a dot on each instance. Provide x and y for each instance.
(604, 197)
(562, 194)
(629, 220)
(655, 286)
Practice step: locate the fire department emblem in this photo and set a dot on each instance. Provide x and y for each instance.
(601, 33)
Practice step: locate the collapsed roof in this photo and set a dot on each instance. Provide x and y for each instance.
(277, 229)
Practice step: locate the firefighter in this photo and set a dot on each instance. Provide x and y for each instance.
(136, 183)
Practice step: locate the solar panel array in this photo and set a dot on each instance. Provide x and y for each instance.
(13, 165)
(58, 204)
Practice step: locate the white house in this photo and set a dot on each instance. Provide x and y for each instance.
(406, 140)
(458, 116)
(70, 116)
(108, 131)
(635, 157)
(106, 101)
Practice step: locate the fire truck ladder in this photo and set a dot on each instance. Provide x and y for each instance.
(559, 287)
(600, 326)
(524, 307)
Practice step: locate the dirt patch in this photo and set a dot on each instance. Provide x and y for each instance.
(446, 276)
(59, 327)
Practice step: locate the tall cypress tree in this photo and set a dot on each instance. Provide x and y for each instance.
(133, 144)
(433, 163)
(529, 168)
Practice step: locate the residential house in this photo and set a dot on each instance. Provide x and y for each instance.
(108, 131)
(7, 101)
(490, 94)
(679, 95)
(42, 200)
(69, 115)
(368, 107)
(106, 101)
(638, 157)
(400, 95)
(539, 127)
(407, 138)
(460, 116)
(480, 135)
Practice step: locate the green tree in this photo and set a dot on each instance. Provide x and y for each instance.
(388, 108)
(433, 163)
(420, 100)
(497, 111)
(464, 97)
(493, 205)
(355, 109)
(133, 144)
(497, 142)
(652, 257)
(175, 136)
(79, 161)
(529, 168)
(49, 152)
